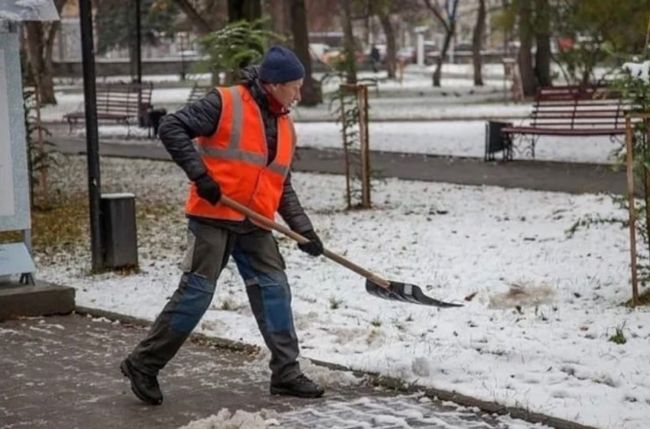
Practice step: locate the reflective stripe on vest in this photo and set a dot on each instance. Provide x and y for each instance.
(236, 156)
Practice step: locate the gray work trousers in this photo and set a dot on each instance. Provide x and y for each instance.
(262, 268)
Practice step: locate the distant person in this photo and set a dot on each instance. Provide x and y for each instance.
(245, 145)
(375, 58)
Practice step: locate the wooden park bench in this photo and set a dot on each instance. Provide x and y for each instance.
(119, 103)
(565, 111)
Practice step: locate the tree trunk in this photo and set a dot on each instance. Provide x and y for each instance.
(525, 57)
(450, 29)
(543, 41)
(47, 84)
(247, 10)
(391, 46)
(443, 53)
(39, 38)
(35, 37)
(280, 12)
(350, 60)
(477, 43)
(311, 94)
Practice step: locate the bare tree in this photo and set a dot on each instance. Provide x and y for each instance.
(201, 26)
(39, 38)
(448, 21)
(525, 57)
(543, 42)
(383, 11)
(477, 43)
(311, 94)
(349, 57)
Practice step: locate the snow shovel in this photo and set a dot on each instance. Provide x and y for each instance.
(375, 285)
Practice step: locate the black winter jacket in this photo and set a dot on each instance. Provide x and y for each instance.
(200, 119)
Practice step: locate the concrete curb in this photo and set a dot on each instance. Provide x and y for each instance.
(378, 380)
(42, 299)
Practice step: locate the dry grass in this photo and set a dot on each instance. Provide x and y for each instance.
(63, 224)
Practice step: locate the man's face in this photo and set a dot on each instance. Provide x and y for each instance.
(286, 93)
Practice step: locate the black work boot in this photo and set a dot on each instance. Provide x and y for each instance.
(300, 386)
(143, 385)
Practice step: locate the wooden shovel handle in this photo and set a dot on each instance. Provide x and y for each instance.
(263, 220)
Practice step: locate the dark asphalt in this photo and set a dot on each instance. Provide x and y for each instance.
(535, 175)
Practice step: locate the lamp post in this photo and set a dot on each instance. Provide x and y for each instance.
(92, 137)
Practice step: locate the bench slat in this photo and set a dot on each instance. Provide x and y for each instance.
(118, 101)
(563, 132)
(574, 111)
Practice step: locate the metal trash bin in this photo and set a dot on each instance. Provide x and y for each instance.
(118, 230)
(153, 120)
(496, 141)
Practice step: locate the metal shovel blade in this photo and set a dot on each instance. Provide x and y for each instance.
(406, 292)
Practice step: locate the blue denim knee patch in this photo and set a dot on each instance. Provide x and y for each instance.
(277, 307)
(276, 296)
(194, 299)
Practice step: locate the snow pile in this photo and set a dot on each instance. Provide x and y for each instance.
(239, 420)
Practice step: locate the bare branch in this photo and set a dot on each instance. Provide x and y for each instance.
(435, 9)
(201, 25)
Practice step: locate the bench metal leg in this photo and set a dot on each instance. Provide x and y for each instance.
(523, 144)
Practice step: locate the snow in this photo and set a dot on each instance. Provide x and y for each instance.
(225, 420)
(455, 138)
(638, 70)
(533, 333)
(410, 116)
(364, 412)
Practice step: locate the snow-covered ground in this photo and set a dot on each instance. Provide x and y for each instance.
(444, 138)
(408, 116)
(535, 333)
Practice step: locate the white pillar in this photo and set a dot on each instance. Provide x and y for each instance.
(420, 50)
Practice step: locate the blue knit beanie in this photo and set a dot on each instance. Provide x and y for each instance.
(280, 65)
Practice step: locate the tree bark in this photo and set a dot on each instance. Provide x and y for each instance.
(280, 12)
(311, 94)
(477, 43)
(47, 86)
(391, 46)
(543, 42)
(247, 10)
(350, 60)
(525, 57)
(41, 73)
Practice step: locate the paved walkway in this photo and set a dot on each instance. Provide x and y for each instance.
(537, 175)
(62, 372)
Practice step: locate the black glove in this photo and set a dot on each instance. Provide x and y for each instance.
(314, 246)
(208, 189)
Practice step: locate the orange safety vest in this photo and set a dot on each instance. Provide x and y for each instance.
(236, 157)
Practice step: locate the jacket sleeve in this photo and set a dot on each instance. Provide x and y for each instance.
(291, 210)
(178, 129)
